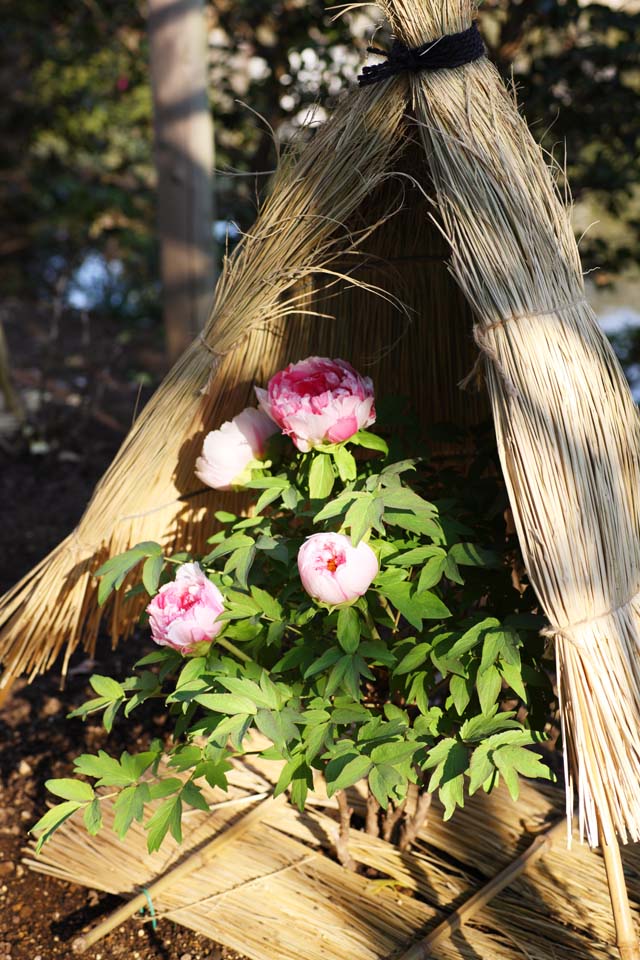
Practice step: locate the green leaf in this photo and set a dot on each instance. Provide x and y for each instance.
(105, 768)
(481, 727)
(151, 571)
(460, 689)
(227, 703)
(346, 464)
(395, 752)
(344, 771)
(362, 516)
(93, 817)
(328, 658)
(71, 790)
(271, 608)
(432, 572)
(321, 476)
(167, 817)
(473, 636)
(417, 556)
(488, 685)
(430, 606)
(106, 687)
(186, 757)
(267, 497)
(53, 819)
(278, 726)
(491, 649)
(129, 806)
(348, 629)
(382, 780)
(470, 555)
(235, 542)
(414, 659)
(223, 516)
(163, 788)
(338, 506)
(249, 688)
(192, 794)
(370, 441)
(513, 678)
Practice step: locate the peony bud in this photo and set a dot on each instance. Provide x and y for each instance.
(226, 452)
(319, 401)
(184, 613)
(333, 570)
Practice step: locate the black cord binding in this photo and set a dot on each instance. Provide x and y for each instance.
(446, 52)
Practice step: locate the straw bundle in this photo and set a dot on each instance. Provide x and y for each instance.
(303, 904)
(566, 423)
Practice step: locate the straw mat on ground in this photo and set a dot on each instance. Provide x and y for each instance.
(275, 894)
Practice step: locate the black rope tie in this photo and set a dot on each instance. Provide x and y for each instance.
(453, 50)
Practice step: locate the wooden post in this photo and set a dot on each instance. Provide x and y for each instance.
(626, 938)
(184, 162)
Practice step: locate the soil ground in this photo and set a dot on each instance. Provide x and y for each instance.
(80, 379)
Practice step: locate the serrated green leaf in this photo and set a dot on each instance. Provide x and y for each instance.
(192, 794)
(270, 607)
(167, 817)
(106, 769)
(129, 806)
(93, 817)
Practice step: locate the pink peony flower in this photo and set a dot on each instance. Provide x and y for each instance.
(184, 613)
(319, 401)
(226, 452)
(333, 570)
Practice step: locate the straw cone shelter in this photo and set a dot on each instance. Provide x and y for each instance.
(419, 225)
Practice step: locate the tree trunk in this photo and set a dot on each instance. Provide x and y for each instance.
(184, 161)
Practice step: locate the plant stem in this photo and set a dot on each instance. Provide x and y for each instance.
(342, 837)
(372, 823)
(413, 824)
(231, 647)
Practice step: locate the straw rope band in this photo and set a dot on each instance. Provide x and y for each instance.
(452, 50)
(486, 348)
(568, 632)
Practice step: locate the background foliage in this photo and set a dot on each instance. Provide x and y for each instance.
(78, 168)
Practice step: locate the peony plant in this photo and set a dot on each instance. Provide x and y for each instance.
(366, 625)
